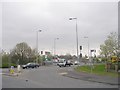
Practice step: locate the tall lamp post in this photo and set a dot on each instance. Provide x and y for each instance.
(76, 36)
(55, 45)
(9, 58)
(88, 45)
(37, 44)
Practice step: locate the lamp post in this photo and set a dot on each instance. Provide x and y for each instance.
(76, 36)
(55, 45)
(37, 44)
(88, 45)
(9, 58)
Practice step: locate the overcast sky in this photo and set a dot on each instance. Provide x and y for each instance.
(21, 21)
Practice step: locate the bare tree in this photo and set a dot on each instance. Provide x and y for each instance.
(22, 53)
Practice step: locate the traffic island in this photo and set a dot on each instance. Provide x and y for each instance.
(10, 72)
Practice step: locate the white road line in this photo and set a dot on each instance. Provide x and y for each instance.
(63, 73)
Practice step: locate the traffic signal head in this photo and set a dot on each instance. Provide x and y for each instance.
(80, 54)
(41, 52)
(80, 47)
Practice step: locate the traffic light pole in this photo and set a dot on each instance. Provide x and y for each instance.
(80, 54)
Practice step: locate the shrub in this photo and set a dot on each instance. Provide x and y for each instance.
(6, 65)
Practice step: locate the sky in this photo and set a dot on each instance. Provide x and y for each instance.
(22, 20)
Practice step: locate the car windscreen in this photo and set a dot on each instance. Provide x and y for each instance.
(28, 64)
(61, 61)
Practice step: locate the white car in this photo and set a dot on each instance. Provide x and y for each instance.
(64, 63)
(61, 63)
(76, 63)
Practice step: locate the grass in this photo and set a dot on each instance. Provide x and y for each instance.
(96, 69)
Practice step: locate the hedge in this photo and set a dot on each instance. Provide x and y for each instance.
(5, 65)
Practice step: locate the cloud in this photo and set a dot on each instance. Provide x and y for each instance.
(22, 20)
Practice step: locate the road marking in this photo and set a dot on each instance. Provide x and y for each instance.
(63, 73)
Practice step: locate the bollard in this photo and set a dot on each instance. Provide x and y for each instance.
(12, 70)
(19, 69)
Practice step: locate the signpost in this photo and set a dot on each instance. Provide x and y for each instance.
(91, 59)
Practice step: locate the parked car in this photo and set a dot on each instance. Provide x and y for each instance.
(30, 65)
(37, 65)
(64, 63)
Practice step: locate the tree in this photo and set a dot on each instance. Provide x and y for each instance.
(5, 59)
(22, 54)
(67, 56)
(110, 45)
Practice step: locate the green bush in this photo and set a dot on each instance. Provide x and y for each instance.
(6, 65)
(104, 59)
(112, 66)
(119, 65)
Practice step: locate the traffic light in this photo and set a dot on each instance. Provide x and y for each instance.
(80, 54)
(41, 52)
(80, 47)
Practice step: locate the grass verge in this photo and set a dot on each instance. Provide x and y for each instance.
(96, 69)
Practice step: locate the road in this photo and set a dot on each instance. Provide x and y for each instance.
(48, 77)
(0, 78)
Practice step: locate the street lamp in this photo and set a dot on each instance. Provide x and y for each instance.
(76, 36)
(37, 43)
(88, 45)
(55, 45)
(9, 58)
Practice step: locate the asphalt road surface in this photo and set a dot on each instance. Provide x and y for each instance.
(48, 77)
(0, 81)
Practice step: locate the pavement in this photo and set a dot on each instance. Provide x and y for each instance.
(92, 77)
